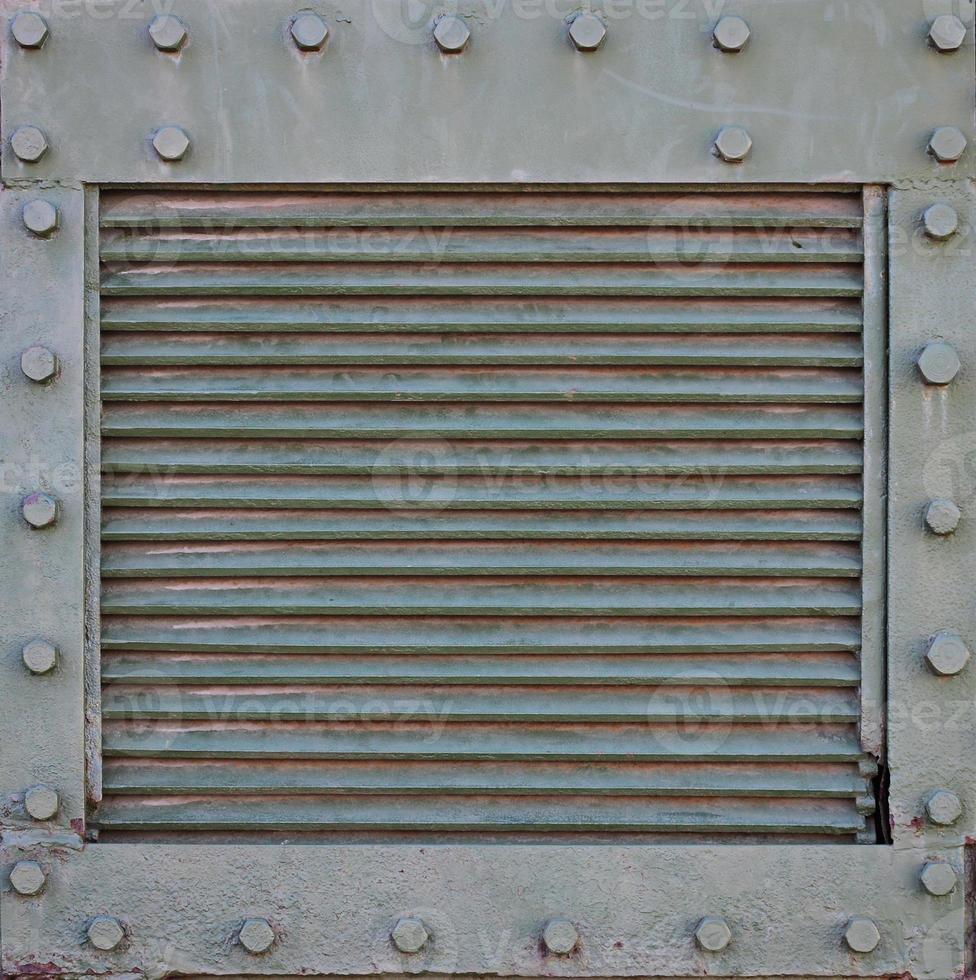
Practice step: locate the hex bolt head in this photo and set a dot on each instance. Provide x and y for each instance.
(39, 509)
(733, 144)
(28, 143)
(41, 802)
(730, 34)
(947, 144)
(39, 656)
(170, 143)
(560, 936)
(861, 934)
(451, 34)
(938, 878)
(105, 932)
(587, 32)
(29, 29)
(27, 878)
(409, 935)
(938, 363)
(309, 31)
(940, 221)
(39, 364)
(947, 654)
(943, 807)
(947, 33)
(713, 933)
(942, 516)
(168, 32)
(41, 218)
(256, 935)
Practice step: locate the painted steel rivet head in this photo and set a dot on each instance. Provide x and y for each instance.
(938, 878)
(730, 34)
(171, 143)
(733, 144)
(940, 221)
(560, 936)
(409, 935)
(168, 32)
(451, 34)
(309, 31)
(39, 656)
(29, 29)
(28, 143)
(947, 33)
(39, 509)
(938, 362)
(40, 218)
(39, 364)
(41, 802)
(862, 935)
(947, 654)
(942, 516)
(256, 935)
(943, 807)
(27, 877)
(947, 144)
(713, 933)
(105, 932)
(587, 32)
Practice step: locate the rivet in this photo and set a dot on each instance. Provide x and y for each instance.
(40, 218)
(942, 516)
(39, 510)
(39, 364)
(947, 144)
(733, 144)
(713, 933)
(943, 807)
(171, 143)
(256, 935)
(309, 31)
(451, 34)
(27, 878)
(41, 802)
(947, 33)
(587, 32)
(560, 936)
(409, 935)
(29, 29)
(730, 34)
(947, 654)
(938, 878)
(168, 32)
(28, 143)
(938, 363)
(39, 656)
(940, 221)
(861, 934)
(105, 932)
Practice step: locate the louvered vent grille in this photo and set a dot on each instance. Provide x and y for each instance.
(516, 515)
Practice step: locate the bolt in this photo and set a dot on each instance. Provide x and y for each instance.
(713, 933)
(27, 877)
(943, 807)
(105, 932)
(940, 221)
(862, 935)
(730, 34)
(256, 935)
(587, 32)
(560, 936)
(947, 33)
(171, 143)
(40, 217)
(39, 364)
(947, 144)
(938, 362)
(938, 878)
(168, 32)
(733, 144)
(309, 31)
(29, 29)
(41, 802)
(451, 34)
(39, 510)
(947, 654)
(409, 935)
(28, 143)
(39, 656)
(942, 516)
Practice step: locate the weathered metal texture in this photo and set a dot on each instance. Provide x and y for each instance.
(380, 102)
(636, 910)
(932, 716)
